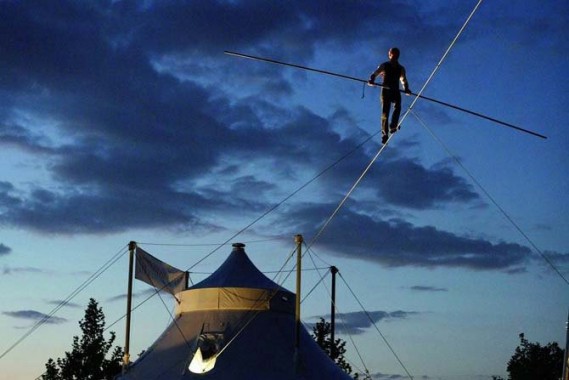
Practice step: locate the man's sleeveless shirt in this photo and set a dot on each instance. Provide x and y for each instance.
(393, 72)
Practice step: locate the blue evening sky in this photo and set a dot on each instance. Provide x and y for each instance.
(124, 120)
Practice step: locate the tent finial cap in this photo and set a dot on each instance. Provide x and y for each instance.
(238, 246)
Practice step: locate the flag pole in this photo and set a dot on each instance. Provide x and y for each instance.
(565, 375)
(333, 270)
(298, 240)
(126, 357)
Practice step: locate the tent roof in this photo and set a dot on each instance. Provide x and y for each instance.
(260, 346)
(238, 272)
(249, 342)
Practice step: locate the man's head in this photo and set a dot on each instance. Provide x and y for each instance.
(394, 53)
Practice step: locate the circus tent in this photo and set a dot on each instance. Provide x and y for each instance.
(235, 324)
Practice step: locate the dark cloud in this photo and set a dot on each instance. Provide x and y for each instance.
(8, 270)
(35, 316)
(143, 135)
(556, 259)
(105, 200)
(18, 136)
(423, 288)
(145, 293)
(405, 182)
(77, 212)
(13, 270)
(356, 322)
(207, 27)
(145, 123)
(64, 303)
(4, 249)
(534, 33)
(396, 243)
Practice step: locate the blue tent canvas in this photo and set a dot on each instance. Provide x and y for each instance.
(236, 324)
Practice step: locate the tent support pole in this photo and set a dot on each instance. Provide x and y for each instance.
(126, 357)
(565, 375)
(298, 240)
(333, 270)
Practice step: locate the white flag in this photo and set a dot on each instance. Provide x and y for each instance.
(159, 274)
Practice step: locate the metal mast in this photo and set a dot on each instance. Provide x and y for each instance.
(298, 239)
(566, 356)
(126, 357)
(333, 270)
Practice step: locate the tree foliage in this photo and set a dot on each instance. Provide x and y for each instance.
(335, 350)
(532, 361)
(87, 359)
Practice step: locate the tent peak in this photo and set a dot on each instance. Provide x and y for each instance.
(238, 247)
(237, 271)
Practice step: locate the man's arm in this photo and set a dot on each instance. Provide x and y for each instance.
(403, 80)
(379, 71)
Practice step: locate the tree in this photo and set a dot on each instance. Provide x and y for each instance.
(87, 359)
(335, 350)
(532, 361)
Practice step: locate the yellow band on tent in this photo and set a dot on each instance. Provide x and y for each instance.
(232, 299)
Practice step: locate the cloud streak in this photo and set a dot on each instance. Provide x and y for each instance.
(7, 270)
(398, 243)
(424, 288)
(5, 250)
(36, 316)
(145, 293)
(64, 303)
(357, 322)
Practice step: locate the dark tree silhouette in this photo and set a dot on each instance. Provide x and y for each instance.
(335, 350)
(532, 361)
(87, 358)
